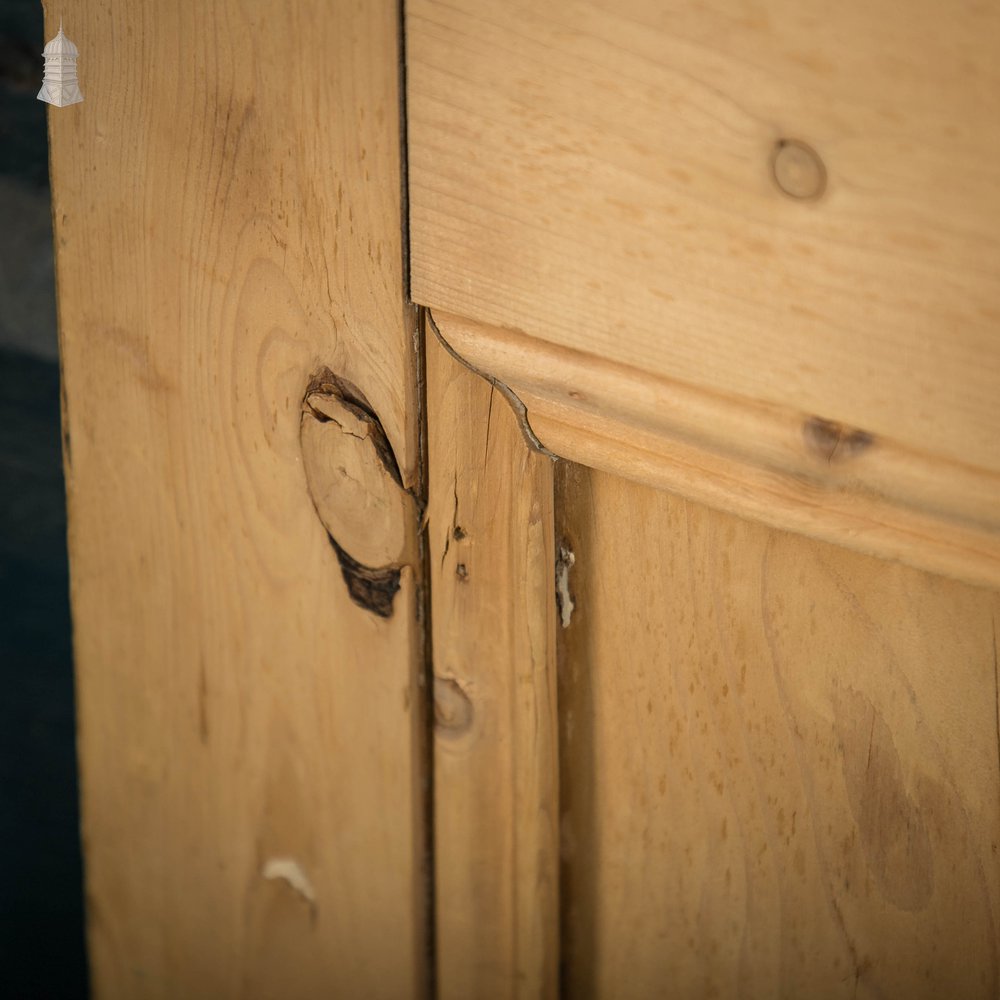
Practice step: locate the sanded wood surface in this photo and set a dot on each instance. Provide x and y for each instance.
(496, 806)
(636, 180)
(227, 217)
(780, 761)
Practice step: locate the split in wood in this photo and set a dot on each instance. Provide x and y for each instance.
(565, 560)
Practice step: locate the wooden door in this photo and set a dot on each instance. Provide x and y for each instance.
(574, 574)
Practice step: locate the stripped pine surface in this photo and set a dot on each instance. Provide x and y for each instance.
(495, 748)
(234, 331)
(786, 202)
(780, 758)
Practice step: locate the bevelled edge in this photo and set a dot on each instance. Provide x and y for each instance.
(802, 472)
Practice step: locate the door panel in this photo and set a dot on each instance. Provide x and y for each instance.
(779, 761)
(228, 226)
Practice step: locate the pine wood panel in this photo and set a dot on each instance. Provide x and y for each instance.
(607, 177)
(781, 769)
(227, 210)
(496, 807)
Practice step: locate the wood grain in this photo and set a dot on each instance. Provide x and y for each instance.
(791, 470)
(600, 177)
(227, 217)
(781, 768)
(495, 752)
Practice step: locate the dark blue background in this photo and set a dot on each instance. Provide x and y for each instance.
(41, 896)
